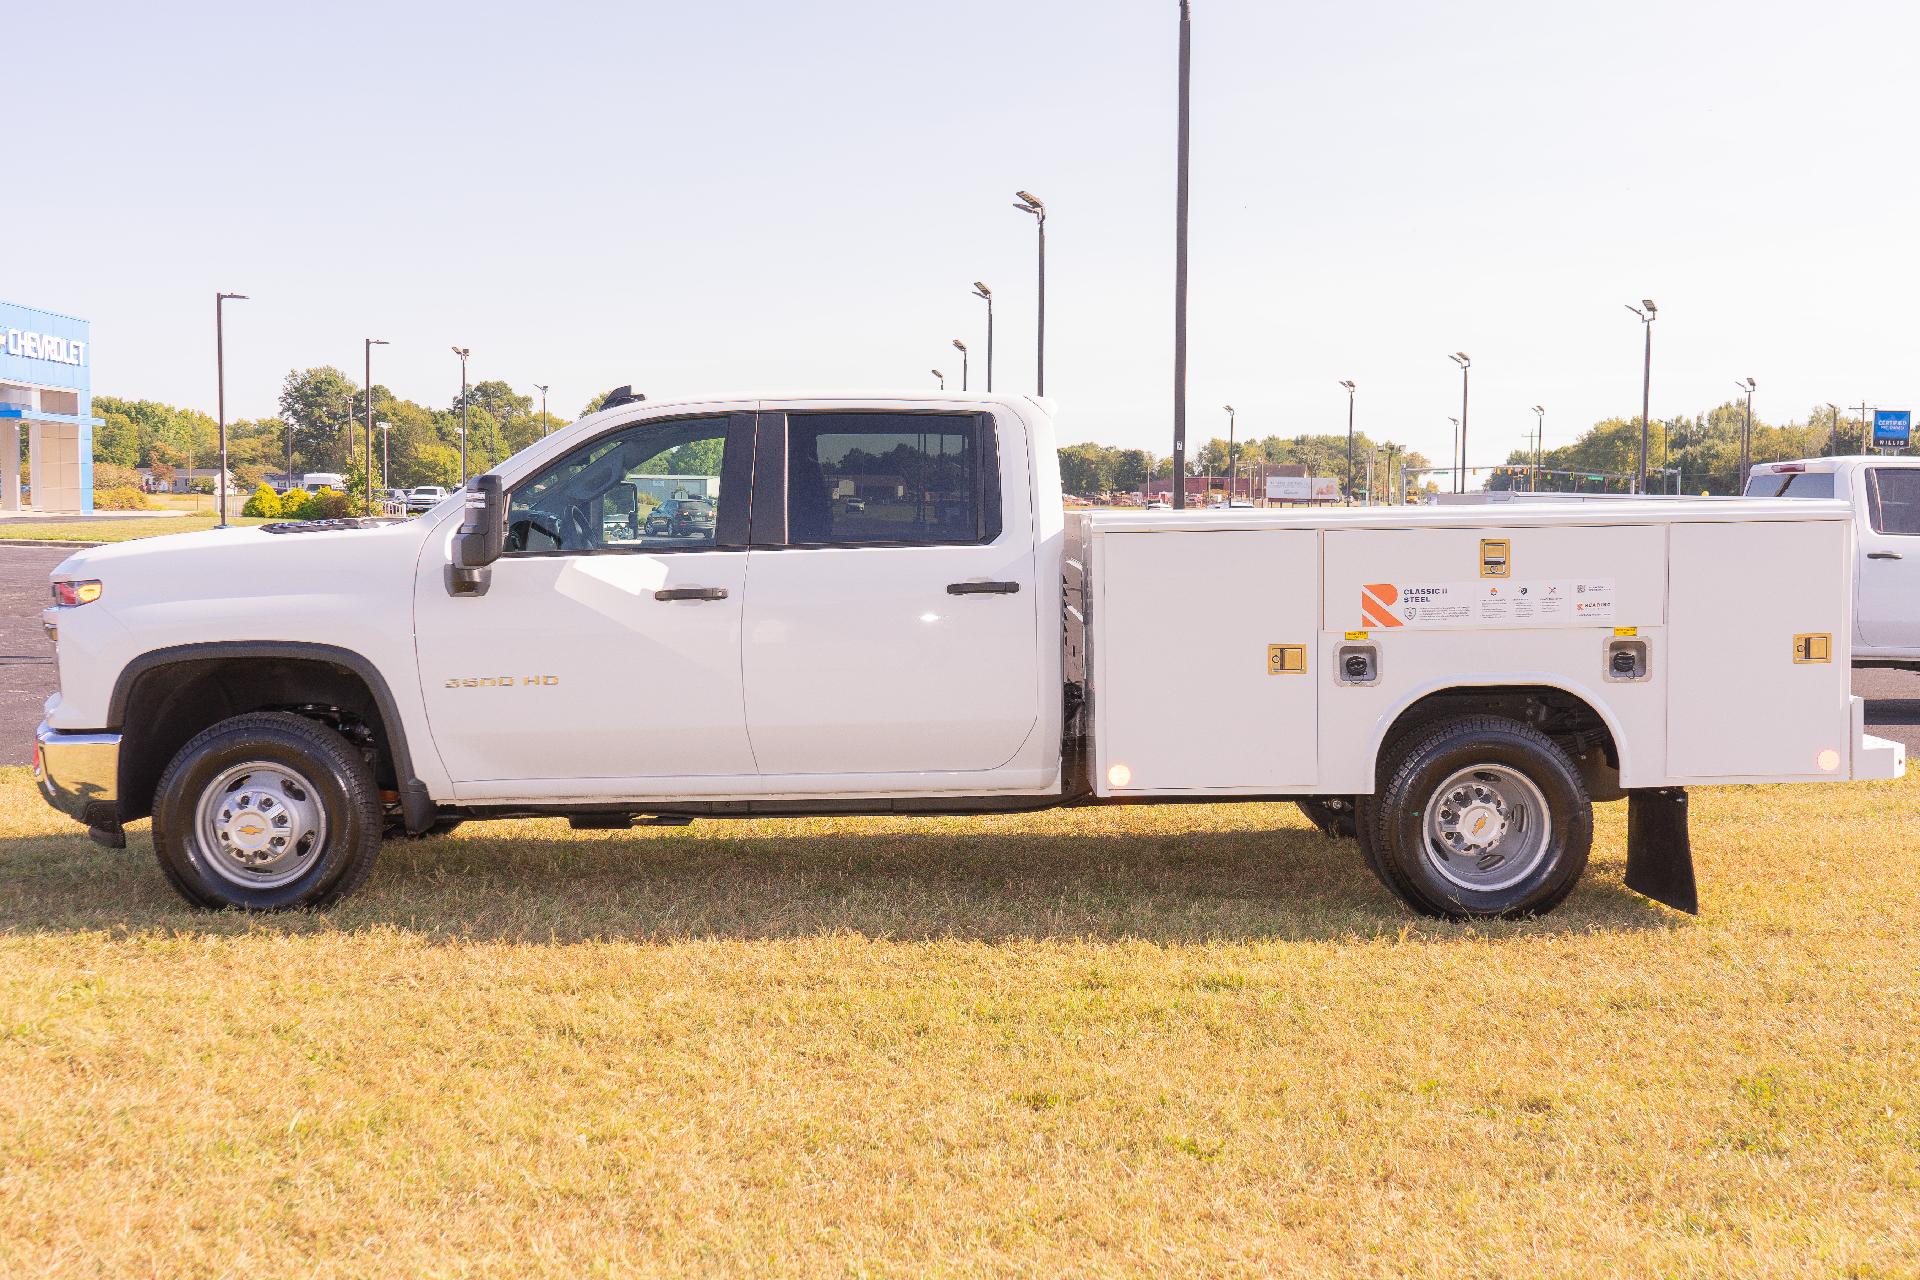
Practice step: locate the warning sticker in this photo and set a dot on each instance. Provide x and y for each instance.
(1517, 603)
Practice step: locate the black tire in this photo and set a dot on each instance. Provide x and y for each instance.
(1484, 777)
(313, 770)
(1333, 815)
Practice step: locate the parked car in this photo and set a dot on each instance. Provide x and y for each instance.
(681, 518)
(1884, 496)
(425, 497)
(323, 480)
(1454, 687)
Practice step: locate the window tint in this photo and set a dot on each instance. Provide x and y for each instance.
(865, 478)
(1896, 500)
(652, 487)
(1794, 484)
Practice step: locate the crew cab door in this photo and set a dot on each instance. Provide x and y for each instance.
(1888, 612)
(604, 658)
(893, 617)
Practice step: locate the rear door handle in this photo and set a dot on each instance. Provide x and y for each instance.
(1883, 555)
(982, 588)
(691, 593)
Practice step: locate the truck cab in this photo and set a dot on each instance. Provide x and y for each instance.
(1884, 496)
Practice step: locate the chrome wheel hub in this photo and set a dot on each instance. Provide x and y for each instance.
(260, 825)
(1486, 828)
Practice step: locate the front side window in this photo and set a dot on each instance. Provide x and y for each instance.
(1895, 503)
(865, 479)
(654, 486)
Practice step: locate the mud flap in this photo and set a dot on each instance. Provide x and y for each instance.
(1659, 854)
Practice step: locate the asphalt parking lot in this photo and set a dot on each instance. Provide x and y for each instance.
(27, 675)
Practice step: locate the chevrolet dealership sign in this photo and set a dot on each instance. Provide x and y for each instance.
(45, 349)
(45, 346)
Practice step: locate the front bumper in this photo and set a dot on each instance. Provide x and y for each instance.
(79, 774)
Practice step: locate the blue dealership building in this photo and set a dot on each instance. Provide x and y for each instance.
(46, 385)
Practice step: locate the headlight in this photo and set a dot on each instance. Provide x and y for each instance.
(76, 593)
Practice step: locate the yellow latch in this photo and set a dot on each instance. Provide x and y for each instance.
(1286, 659)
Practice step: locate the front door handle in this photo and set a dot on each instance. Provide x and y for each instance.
(1883, 555)
(691, 593)
(982, 588)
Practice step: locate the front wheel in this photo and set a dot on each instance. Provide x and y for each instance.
(265, 812)
(1480, 816)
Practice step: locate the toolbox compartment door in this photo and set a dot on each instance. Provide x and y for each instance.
(1184, 701)
(1740, 704)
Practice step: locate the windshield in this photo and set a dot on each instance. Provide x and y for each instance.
(1791, 484)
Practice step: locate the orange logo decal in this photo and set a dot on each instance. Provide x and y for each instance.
(1376, 604)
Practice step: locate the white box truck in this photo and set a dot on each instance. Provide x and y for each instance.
(1453, 687)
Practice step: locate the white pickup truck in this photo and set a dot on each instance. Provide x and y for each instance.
(889, 612)
(1884, 496)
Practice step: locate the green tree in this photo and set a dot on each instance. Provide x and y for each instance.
(320, 403)
(116, 440)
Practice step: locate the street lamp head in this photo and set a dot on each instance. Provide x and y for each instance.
(462, 352)
(1348, 384)
(541, 389)
(377, 342)
(1460, 358)
(1751, 384)
(1227, 407)
(959, 346)
(1030, 202)
(1454, 421)
(1648, 304)
(235, 297)
(936, 373)
(1539, 409)
(981, 291)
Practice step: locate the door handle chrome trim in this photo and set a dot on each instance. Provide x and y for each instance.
(691, 593)
(982, 588)
(1883, 555)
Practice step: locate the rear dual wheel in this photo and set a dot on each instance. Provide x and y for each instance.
(1477, 817)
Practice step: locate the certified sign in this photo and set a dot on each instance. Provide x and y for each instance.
(1893, 427)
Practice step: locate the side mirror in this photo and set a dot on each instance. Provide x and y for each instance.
(482, 534)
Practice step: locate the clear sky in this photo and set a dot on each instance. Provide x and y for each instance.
(742, 194)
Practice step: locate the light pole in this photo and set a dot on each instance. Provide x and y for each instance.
(1456, 451)
(220, 362)
(1539, 433)
(1862, 407)
(371, 343)
(386, 432)
(1231, 472)
(961, 347)
(463, 353)
(943, 378)
(1460, 476)
(1646, 388)
(1833, 432)
(543, 409)
(1393, 490)
(1746, 437)
(981, 291)
(1348, 384)
(1180, 258)
(1030, 203)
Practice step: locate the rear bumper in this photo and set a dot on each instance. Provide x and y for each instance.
(1874, 759)
(79, 774)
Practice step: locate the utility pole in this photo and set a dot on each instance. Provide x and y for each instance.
(1231, 471)
(1746, 438)
(1539, 432)
(371, 343)
(1862, 407)
(981, 291)
(1348, 384)
(1833, 429)
(1460, 476)
(463, 353)
(1180, 261)
(220, 360)
(1646, 388)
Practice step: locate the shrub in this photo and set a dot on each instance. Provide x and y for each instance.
(264, 502)
(325, 504)
(111, 475)
(120, 498)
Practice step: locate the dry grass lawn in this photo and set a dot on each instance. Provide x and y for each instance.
(1139, 1041)
(114, 530)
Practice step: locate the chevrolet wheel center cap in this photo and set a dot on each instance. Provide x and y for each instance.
(251, 832)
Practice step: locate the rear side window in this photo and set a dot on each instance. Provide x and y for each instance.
(1793, 484)
(875, 479)
(1894, 501)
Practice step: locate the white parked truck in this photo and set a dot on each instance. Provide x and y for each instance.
(1883, 495)
(889, 612)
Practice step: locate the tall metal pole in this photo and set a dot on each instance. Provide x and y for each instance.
(1231, 470)
(1456, 453)
(1030, 203)
(961, 347)
(386, 455)
(1460, 472)
(981, 291)
(463, 353)
(543, 409)
(371, 343)
(1539, 431)
(1746, 438)
(1833, 429)
(220, 362)
(1862, 407)
(1180, 264)
(943, 378)
(1348, 384)
(1646, 388)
